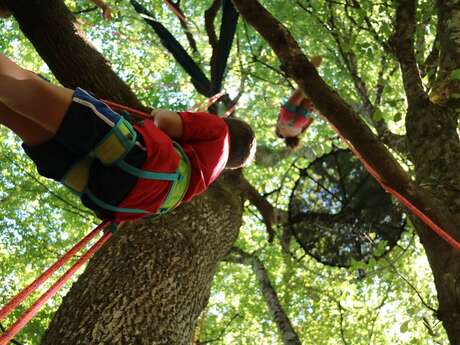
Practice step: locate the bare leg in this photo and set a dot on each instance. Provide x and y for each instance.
(26, 94)
(30, 133)
(9, 68)
(37, 100)
(307, 104)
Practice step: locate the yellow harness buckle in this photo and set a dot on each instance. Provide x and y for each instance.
(77, 176)
(116, 144)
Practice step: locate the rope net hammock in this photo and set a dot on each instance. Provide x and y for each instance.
(339, 213)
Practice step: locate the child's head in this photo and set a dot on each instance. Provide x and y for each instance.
(242, 143)
(292, 142)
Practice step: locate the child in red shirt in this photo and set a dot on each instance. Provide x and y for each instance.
(61, 128)
(294, 116)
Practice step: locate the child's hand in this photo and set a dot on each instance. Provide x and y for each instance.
(107, 12)
(316, 60)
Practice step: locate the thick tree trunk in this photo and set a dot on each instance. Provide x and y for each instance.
(435, 147)
(152, 280)
(149, 284)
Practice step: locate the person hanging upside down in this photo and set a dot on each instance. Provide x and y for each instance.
(120, 171)
(295, 115)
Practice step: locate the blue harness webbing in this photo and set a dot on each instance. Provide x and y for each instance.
(111, 150)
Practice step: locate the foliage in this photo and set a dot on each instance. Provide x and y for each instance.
(382, 302)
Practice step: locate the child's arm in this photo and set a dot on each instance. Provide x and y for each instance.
(106, 11)
(169, 122)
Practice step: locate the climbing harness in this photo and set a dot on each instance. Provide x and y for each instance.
(293, 116)
(111, 150)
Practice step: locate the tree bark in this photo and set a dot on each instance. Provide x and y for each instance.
(149, 284)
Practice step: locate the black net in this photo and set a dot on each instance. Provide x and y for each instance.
(339, 213)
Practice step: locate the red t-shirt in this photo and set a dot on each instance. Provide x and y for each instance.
(205, 141)
(288, 118)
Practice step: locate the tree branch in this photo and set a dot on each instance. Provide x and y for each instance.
(266, 209)
(209, 16)
(396, 142)
(402, 43)
(184, 25)
(327, 101)
(222, 333)
(287, 332)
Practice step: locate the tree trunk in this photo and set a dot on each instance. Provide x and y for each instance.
(54, 32)
(152, 280)
(149, 284)
(279, 315)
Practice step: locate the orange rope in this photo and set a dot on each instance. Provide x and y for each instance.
(176, 12)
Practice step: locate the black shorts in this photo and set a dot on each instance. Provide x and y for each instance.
(86, 123)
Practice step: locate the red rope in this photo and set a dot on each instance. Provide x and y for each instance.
(33, 310)
(136, 112)
(414, 209)
(176, 11)
(8, 308)
(210, 101)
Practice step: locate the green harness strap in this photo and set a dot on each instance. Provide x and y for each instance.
(111, 150)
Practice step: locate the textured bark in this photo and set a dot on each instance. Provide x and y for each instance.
(149, 284)
(435, 148)
(152, 280)
(445, 88)
(279, 315)
(434, 145)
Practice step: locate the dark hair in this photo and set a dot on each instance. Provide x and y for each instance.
(242, 143)
(292, 142)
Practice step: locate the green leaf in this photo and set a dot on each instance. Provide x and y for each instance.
(377, 115)
(397, 117)
(455, 74)
(404, 328)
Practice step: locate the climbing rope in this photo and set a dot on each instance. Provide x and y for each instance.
(33, 310)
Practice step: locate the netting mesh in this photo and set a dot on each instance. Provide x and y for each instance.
(339, 213)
